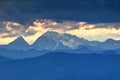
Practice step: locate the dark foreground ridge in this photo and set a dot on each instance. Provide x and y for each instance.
(63, 66)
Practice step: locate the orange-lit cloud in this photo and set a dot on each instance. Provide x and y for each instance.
(99, 31)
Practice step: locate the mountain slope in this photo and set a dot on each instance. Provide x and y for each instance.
(19, 44)
(4, 59)
(109, 44)
(63, 66)
(20, 54)
(56, 41)
(44, 43)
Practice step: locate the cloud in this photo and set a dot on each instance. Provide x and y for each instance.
(90, 31)
(99, 34)
(97, 31)
(61, 27)
(30, 32)
(80, 10)
(12, 29)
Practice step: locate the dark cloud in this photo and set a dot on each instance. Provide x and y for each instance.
(30, 32)
(64, 26)
(108, 25)
(2, 28)
(80, 10)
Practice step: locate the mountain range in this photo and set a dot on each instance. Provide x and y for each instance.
(55, 56)
(56, 41)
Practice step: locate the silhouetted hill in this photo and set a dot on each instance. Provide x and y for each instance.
(18, 54)
(4, 59)
(63, 66)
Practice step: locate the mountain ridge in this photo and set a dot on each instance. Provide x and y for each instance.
(54, 38)
(63, 66)
(57, 41)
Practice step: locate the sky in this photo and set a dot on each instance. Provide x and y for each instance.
(90, 19)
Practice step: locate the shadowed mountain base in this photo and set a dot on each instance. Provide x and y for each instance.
(63, 66)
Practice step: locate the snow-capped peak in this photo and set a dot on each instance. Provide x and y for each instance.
(66, 39)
